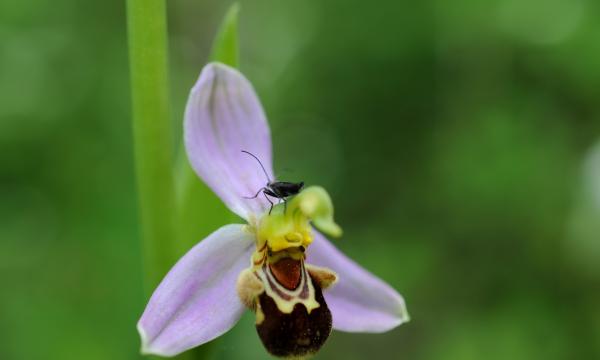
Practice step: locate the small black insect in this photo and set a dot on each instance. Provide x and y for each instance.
(280, 190)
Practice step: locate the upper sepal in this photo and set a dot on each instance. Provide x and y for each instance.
(224, 116)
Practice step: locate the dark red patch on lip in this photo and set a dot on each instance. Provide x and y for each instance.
(296, 334)
(287, 272)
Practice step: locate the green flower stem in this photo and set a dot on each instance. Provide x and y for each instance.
(147, 28)
(160, 198)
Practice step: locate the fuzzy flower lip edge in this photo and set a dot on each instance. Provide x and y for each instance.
(197, 301)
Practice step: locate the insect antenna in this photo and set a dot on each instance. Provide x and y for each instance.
(261, 165)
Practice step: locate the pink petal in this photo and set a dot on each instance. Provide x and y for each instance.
(223, 117)
(197, 300)
(359, 301)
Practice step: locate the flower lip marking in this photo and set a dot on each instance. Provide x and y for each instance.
(278, 189)
(287, 270)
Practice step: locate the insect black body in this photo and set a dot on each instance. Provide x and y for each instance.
(280, 190)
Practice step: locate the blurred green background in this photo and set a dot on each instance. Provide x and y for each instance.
(459, 140)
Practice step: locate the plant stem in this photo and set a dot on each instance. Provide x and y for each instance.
(147, 28)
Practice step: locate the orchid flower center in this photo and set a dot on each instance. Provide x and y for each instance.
(292, 317)
(282, 238)
(290, 226)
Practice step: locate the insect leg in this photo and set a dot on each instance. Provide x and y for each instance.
(269, 200)
(254, 197)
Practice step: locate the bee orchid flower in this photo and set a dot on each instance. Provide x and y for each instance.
(277, 265)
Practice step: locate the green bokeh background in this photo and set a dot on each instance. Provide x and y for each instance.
(458, 139)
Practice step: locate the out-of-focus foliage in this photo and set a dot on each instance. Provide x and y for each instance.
(459, 141)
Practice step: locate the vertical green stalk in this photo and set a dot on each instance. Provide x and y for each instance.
(147, 28)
